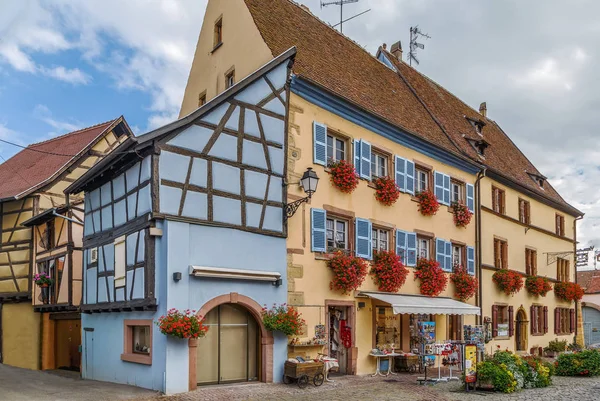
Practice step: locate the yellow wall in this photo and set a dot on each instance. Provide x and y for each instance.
(518, 238)
(21, 336)
(309, 276)
(242, 48)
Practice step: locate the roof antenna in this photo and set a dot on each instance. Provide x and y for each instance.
(341, 4)
(415, 33)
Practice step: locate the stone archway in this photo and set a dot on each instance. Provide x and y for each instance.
(266, 342)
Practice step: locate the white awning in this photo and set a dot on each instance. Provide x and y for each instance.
(422, 304)
(237, 274)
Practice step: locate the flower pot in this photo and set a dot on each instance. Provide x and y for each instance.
(45, 293)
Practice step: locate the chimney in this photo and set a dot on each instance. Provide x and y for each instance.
(384, 46)
(396, 50)
(483, 109)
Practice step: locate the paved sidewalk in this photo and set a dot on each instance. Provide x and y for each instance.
(18, 384)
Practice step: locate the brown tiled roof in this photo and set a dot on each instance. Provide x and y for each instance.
(330, 59)
(335, 62)
(594, 285)
(588, 279)
(40, 161)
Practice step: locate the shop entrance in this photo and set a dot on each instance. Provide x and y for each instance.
(521, 331)
(68, 340)
(229, 352)
(340, 336)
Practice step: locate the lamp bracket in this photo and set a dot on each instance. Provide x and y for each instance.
(291, 208)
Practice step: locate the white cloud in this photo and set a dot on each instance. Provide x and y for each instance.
(43, 113)
(73, 76)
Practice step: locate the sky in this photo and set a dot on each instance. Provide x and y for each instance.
(68, 64)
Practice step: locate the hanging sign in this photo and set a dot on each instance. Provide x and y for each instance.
(470, 363)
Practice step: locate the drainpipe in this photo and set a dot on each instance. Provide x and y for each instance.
(478, 299)
(575, 265)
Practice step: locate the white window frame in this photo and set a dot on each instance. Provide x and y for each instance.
(335, 139)
(460, 187)
(418, 173)
(336, 220)
(460, 250)
(230, 76)
(376, 243)
(426, 243)
(378, 161)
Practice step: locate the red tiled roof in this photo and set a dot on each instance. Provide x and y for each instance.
(594, 285)
(32, 166)
(589, 280)
(335, 62)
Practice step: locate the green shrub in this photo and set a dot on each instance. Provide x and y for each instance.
(556, 346)
(498, 375)
(584, 363)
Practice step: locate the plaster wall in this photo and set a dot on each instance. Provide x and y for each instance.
(21, 331)
(242, 48)
(308, 274)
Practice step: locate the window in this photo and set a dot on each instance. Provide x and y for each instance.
(337, 234)
(218, 37)
(501, 320)
(538, 320)
(524, 212)
(423, 245)
(564, 320)
(120, 262)
(500, 254)
(388, 329)
(380, 239)
(379, 165)
(560, 225)
(530, 262)
(498, 200)
(456, 192)
(457, 256)
(137, 341)
(202, 99)
(230, 79)
(336, 148)
(422, 180)
(562, 269)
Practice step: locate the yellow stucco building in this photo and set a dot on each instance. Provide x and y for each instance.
(386, 119)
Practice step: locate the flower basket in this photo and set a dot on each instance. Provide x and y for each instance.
(428, 203)
(349, 272)
(462, 214)
(283, 318)
(389, 274)
(42, 279)
(343, 176)
(386, 190)
(180, 324)
(507, 281)
(432, 277)
(538, 286)
(465, 285)
(568, 291)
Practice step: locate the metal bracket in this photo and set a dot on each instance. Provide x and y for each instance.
(291, 208)
(552, 256)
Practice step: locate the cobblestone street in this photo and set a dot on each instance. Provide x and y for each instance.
(397, 388)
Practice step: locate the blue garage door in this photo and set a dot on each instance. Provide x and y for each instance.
(591, 322)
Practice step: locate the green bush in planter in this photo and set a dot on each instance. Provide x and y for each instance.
(509, 372)
(584, 363)
(496, 374)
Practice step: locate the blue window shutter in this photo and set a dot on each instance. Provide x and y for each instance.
(363, 238)
(446, 189)
(439, 186)
(356, 148)
(401, 245)
(318, 224)
(320, 143)
(365, 159)
(448, 266)
(410, 177)
(471, 260)
(471, 198)
(400, 168)
(411, 249)
(440, 252)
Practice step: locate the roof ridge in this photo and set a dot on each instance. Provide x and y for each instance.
(79, 131)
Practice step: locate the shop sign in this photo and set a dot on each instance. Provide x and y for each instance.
(503, 330)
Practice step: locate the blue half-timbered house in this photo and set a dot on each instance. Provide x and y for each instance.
(190, 216)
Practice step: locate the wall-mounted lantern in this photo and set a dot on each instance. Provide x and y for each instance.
(309, 182)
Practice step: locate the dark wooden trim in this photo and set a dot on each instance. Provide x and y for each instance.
(238, 134)
(94, 240)
(1, 348)
(65, 316)
(119, 199)
(150, 269)
(217, 131)
(256, 108)
(55, 308)
(154, 187)
(8, 297)
(51, 257)
(149, 304)
(516, 221)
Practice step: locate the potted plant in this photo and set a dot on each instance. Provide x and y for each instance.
(388, 271)
(568, 291)
(462, 214)
(44, 281)
(508, 281)
(343, 176)
(386, 190)
(182, 324)
(428, 203)
(432, 277)
(283, 318)
(349, 272)
(555, 347)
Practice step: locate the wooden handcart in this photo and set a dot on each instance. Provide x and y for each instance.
(303, 372)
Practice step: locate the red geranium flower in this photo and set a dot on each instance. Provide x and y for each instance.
(428, 203)
(386, 190)
(343, 176)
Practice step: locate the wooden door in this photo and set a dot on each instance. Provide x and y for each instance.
(68, 340)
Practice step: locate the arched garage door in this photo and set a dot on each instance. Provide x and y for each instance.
(591, 324)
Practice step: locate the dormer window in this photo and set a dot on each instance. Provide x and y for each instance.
(477, 124)
(480, 145)
(538, 178)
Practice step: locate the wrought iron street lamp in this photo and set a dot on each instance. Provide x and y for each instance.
(309, 182)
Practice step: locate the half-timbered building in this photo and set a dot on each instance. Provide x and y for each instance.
(41, 234)
(190, 216)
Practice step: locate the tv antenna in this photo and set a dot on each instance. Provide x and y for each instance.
(415, 33)
(341, 4)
